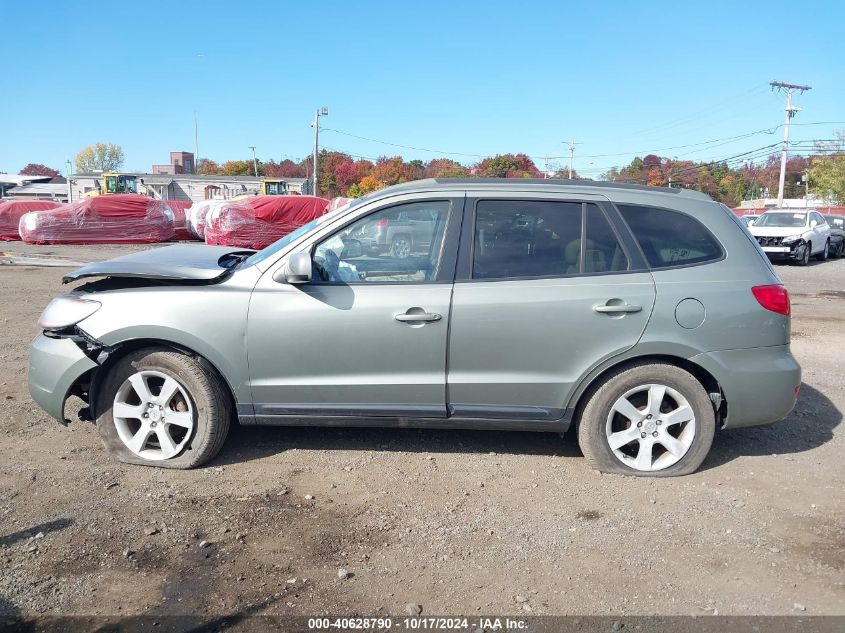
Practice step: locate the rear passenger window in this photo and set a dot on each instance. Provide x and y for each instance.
(669, 238)
(518, 239)
(602, 252)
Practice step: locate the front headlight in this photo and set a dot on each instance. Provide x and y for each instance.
(65, 311)
(791, 238)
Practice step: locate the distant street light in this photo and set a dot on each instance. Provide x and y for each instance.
(254, 160)
(324, 111)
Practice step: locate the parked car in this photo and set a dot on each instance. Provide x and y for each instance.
(837, 235)
(401, 235)
(786, 234)
(646, 318)
(748, 220)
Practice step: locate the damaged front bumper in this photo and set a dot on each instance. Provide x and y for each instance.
(58, 364)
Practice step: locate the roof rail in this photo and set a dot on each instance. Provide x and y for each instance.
(547, 182)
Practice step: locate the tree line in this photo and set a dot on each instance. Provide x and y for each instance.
(341, 174)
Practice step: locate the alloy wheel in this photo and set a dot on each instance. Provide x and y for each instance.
(153, 415)
(650, 427)
(401, 248)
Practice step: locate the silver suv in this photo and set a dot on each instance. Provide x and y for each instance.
(645, 318)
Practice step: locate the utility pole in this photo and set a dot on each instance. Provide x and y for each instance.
(790, 112)
(196, 143)
(324, 111)
(254, 160)
(69, 182)
(572, 145)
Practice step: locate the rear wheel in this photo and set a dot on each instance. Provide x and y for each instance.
(159, 407)
(648, 420)
(822, 255)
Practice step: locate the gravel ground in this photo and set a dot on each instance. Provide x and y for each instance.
(448, 522)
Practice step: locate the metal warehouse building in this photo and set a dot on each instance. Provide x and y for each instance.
(187, 187)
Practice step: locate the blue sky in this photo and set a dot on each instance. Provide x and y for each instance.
(467, 78)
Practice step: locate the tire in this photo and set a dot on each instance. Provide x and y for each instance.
(195, 417)
(805, 255)
(822, 255)
(400, 248)
(691, 439)
(840, 249)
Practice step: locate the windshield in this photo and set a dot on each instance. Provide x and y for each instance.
(782, 219)
(290, 238)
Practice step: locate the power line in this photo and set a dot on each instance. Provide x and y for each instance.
(698, 115)
(724, 141)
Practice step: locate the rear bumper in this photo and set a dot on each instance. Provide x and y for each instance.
(55, 364)
(759, 384)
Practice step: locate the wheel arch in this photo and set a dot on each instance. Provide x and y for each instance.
(116, 352)
(590, 384)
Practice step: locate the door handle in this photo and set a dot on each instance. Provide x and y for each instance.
(624, 308)
(418, 317)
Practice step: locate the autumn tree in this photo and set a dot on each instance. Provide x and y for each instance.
(367, 185)
(445, 168)
(208, 167)
(328, 162)
(100, 157)
(349, 173)
(392, 171)
(37, 169)
(238, 168)
(284, 169)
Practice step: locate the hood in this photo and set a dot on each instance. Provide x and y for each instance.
(185, 262)
(776, 231)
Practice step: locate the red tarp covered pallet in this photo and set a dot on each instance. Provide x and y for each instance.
(110, 219)
(180, 219)
(12, 211)
(259, 221)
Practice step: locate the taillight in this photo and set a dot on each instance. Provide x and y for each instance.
(774, 298)
(381, 223)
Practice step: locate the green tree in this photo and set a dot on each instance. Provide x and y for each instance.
(508, 166)
(100, 157)
(827, 177)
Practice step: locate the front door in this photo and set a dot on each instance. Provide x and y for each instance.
(367, 337)
(545, 291)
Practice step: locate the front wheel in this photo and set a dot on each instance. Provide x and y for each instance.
(804, 258)
(159, 407)
(650, 419)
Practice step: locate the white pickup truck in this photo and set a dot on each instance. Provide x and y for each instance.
(792, 235)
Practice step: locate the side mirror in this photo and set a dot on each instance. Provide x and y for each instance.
(297, 270)
(351, 249)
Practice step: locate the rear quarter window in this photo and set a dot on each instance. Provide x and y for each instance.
(670, 238)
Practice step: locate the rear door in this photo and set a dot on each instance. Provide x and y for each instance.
(546, 289)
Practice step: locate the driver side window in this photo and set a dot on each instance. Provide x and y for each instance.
(400, 244)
